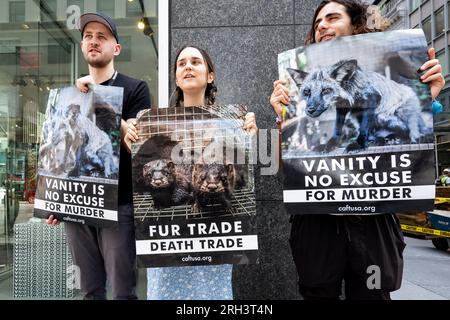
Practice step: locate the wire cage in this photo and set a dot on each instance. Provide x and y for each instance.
(195, 129)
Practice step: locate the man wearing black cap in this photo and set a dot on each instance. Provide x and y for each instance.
(109, 253)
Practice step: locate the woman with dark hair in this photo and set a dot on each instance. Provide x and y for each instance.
(177, 97)
(328, 249)
(194, 75)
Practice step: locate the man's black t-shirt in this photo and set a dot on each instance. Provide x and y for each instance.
(136, 97)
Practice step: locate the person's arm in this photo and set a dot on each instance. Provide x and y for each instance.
(83, 83)
(128, 133)
(432, 74)
(139, 100)
(279, 98)
(250, 123)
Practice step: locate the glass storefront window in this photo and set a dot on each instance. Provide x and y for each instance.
(78, 3)
(106, 7)
(48, 11)
(17, 11)
(133, 9)
(39, 50)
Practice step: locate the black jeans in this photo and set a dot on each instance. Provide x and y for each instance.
(103, 254)
(328, 249)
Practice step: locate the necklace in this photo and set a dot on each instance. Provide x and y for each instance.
(113, 78)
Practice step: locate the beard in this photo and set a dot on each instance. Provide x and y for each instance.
(97, 62)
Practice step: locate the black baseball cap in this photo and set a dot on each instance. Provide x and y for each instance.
(101, 18)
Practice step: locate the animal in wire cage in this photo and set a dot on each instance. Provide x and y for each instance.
(222, 169)
(213, 184)
(382, 107)
(179, 176)
(169, 184)
(154, 171)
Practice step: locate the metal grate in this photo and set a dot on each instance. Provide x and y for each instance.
(243, 203)
(188, 126)
(42, 262)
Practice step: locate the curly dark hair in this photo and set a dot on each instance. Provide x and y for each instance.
(176, 98)
(359, 15)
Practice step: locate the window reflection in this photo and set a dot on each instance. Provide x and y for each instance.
(426, 26)
(37, 55)
(439, 25)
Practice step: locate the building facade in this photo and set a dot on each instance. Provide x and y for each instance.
(396, 11)
(433, 17)
(39, 50)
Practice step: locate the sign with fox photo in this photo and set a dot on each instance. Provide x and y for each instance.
(78, 165)
(194, 196)
(357, 136)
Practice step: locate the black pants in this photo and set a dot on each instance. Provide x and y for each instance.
(328, 249)
(103, 254)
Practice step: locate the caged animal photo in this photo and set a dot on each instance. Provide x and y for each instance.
(369, 109)
(192, 162)
(154, 172)
(205, 187)
(215, 183)
(193, 186)
(80, 144)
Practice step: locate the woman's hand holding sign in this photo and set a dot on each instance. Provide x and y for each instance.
(128, 132)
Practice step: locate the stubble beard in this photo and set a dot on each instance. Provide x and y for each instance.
(98, 62)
